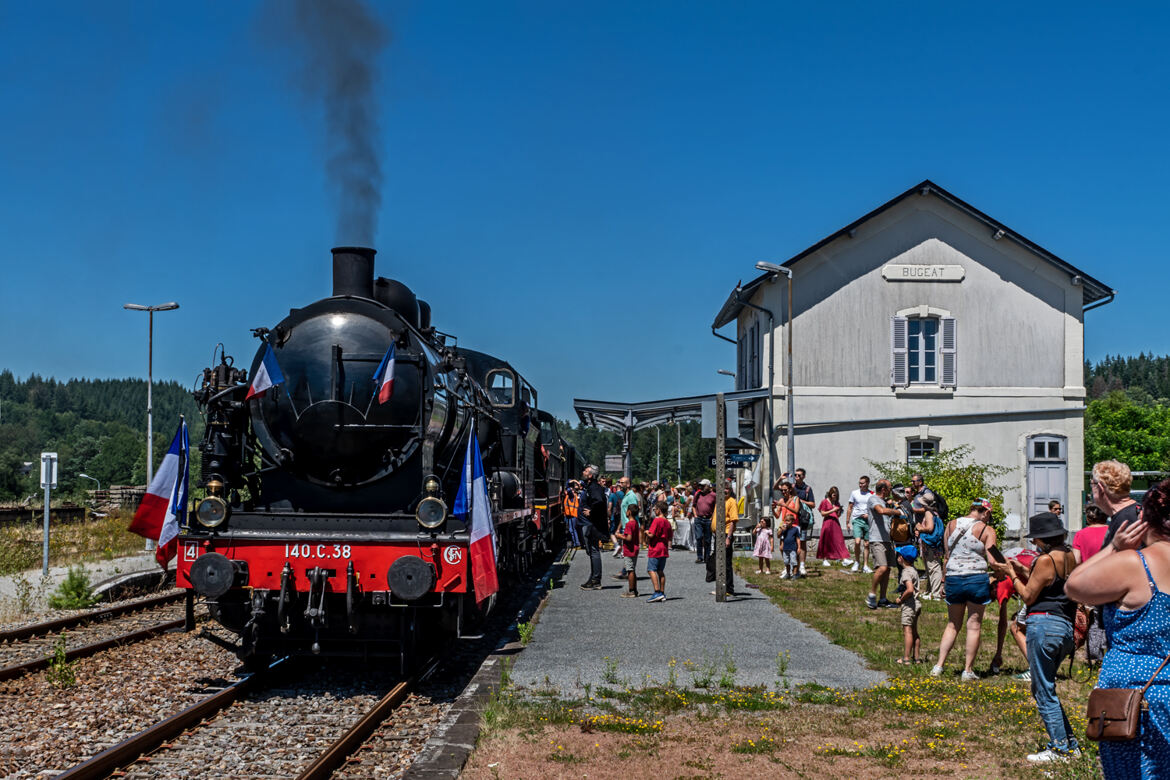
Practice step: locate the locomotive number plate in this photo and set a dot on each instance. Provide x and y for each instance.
(339, 551)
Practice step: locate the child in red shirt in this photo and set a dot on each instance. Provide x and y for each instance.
(658, 538)
(629, 537)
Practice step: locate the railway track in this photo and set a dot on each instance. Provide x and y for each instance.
(261, 726)
(30, 648)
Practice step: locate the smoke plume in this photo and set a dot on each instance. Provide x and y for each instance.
(337, 44)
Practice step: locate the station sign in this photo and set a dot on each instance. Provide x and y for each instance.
(734, 459)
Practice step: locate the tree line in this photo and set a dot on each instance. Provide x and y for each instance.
(96, 427)
(1128, 414)
(655, 454)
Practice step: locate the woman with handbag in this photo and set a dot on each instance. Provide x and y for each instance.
(1049, 635)
(1131, 575)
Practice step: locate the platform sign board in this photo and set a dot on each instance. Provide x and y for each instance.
(613, 464)
(733, 460)
(48, 469)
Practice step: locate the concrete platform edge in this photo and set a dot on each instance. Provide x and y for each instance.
(447, 751)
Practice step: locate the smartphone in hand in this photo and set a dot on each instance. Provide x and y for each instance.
(995, 553)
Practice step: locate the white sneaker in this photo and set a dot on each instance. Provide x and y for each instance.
(866, 570)
(848, 562)
(1048, 755)
(855, 568)
(968, 676)
(825, 565)
(802, 571)
(936, 671)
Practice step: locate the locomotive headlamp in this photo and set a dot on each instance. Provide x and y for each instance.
(431, 512)
(431, 485)
(211, 512)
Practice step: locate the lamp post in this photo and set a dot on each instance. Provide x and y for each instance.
(95, 479)
(150, 310)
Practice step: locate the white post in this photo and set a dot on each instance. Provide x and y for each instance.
(45, 556)
(150, 409)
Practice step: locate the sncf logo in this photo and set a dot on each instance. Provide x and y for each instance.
(453, 555)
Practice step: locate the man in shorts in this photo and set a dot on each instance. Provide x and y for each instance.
(859, 518)
(881, 548)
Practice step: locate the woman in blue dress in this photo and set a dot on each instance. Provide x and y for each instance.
(1132, 576)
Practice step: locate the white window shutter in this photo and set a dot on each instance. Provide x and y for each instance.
(899, 372)
(948, 353)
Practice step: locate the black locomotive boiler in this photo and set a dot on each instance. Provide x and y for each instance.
(327, 523)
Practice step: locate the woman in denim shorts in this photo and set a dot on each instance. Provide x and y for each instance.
(967, 587)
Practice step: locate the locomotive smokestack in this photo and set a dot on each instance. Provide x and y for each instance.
(353, 271)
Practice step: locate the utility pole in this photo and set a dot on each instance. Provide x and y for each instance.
(720, 498)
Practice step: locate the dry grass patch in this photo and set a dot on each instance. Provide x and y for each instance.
(94, 539)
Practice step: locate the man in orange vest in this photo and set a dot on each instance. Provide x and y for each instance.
(572, 500)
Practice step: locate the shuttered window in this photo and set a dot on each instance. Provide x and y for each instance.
(948, 353)
(899, 373)
(923, 351)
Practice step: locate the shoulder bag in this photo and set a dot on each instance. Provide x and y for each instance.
(1115, 713)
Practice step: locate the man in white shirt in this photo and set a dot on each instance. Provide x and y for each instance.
(859, 519)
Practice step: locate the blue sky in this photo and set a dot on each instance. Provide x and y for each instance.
(572, 186)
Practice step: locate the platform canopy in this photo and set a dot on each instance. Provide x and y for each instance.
(625, 418)
(621, 416)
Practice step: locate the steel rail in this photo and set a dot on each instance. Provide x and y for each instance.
(16, 670)
(126, 752)
(349, 742)
(61, 624)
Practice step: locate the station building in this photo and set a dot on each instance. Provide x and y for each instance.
(924, 325)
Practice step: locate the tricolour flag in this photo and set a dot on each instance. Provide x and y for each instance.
(267, 375)
(472, 499)
(384, 376)
(164, 506)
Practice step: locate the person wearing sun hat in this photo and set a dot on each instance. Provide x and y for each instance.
(1050, 626)
(968, 590)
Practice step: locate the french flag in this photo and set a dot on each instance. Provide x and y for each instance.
(472, 499)
(164, 507)
(384, 376)
(267, 375)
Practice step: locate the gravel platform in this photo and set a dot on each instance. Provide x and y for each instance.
(597, 638)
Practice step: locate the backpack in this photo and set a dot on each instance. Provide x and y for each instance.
(899, 528)
(804, 516)
(935, 537)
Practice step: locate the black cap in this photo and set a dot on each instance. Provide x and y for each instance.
(1045, 526)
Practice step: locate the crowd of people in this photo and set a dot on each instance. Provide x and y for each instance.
(1102, 587)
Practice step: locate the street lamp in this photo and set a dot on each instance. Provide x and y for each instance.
(725, 372)
(95, 479)
(150, 310)
(776, 270)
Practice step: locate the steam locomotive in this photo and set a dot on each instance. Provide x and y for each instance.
(327, 524)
